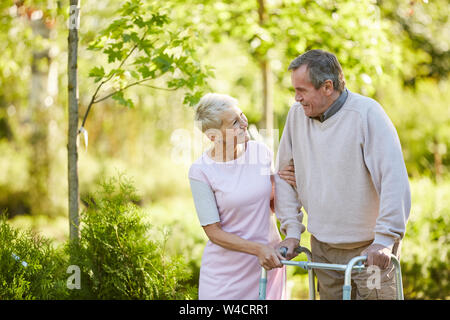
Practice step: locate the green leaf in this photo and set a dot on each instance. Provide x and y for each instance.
(135, 75)
(126, 37)
(97, 72)
(192, 99)
(159, 19)
(146, 72)
(119, 97)
(163, 62)
(96, 45)
(113, 54)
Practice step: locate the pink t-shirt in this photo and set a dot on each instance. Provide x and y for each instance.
(242, 189)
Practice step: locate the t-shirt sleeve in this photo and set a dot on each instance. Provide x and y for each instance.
(205, 202)
(203, 195)
(196, 173)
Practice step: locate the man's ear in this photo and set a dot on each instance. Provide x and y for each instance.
(328, 87)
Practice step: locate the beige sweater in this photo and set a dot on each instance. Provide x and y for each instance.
(350, 172)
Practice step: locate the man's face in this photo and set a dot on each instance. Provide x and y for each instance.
(314, 101)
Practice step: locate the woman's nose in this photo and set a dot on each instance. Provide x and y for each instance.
(244, 123)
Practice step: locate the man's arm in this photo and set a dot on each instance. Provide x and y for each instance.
(384, 160)
(287, 204)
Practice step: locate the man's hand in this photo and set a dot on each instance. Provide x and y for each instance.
(291, 244)
(378, 255)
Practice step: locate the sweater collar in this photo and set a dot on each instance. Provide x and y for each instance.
(335, 107)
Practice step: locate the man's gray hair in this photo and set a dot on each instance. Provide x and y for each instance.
(322, 66)
(208, 111)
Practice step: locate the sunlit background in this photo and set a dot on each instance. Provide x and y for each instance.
(396, 52)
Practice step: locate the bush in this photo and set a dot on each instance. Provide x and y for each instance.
(30, 268)
(118, 254)
(425, 254)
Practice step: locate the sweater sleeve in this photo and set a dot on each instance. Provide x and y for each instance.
(384, 160)
(287, 204)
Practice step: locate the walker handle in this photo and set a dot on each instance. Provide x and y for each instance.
(283, 251)
(299, 249)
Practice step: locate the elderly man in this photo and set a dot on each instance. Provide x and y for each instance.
(350, 178)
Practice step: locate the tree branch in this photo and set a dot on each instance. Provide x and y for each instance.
(134, 84)
(108, 79)
(155, 87)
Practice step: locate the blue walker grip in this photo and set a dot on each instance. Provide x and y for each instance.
(283, 251)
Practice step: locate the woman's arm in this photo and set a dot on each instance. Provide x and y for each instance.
(288, 175)
(266, 254)
(208, 214)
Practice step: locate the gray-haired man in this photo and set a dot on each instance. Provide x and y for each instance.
(350, 177)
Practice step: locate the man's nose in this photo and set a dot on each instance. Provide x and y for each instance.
(298, 98)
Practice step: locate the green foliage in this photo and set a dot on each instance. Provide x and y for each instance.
(420, 28)
(118, 254)
(279, 31)
(422, 120)
(30, 268)
(425, 254)
(153, 47)
(372, 39)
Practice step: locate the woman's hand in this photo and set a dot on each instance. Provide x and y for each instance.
(288, 174)
(266, 255)
(268, 258)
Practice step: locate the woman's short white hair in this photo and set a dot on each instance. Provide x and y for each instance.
(208, 111)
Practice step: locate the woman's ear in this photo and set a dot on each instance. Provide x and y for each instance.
(211, 137)
(214, 135)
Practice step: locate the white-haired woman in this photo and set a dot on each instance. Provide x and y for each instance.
(232, 189)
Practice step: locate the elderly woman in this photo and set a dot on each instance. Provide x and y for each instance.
(232, 189)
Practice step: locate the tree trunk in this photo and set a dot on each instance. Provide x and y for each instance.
(267, 95)
(267, 119)
(73, 121)
(42, 93)
(39, 164)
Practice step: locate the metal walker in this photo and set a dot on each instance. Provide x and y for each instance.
(353, 264)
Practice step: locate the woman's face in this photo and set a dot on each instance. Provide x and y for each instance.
(234, 126)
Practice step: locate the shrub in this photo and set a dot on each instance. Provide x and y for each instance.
(30, 268)
(425, 253)
(118, 253)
